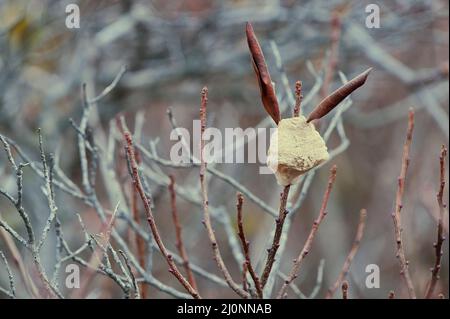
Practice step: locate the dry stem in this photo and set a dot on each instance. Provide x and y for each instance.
(245, 246)
(206, 217)
(396, 215)
(345, 290)
(178, 233)
(440, 233)
(272, 251)
(173, 269)
(307, 247)
(351, 255)
(298, 98)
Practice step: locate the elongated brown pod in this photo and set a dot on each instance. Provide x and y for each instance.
(268, 97)
(332, 100)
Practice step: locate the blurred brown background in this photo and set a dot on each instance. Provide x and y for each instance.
(173, 49)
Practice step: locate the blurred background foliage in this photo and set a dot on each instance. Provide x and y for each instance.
(173, 48)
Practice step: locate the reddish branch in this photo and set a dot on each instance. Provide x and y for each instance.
(268, 96)
(151, 221)
(440, 233)
(307, 247)
(298, 98)
(279, 222)
(179, 240)
(206, 217)
(332, 100)
(351, 255)
(396, 215)
(245, 246)
(140, 242)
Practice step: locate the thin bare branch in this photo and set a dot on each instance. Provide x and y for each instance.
(246, 245)
(206, 215)
(351, 255)
(396, 215)
(344, 289)
(178, 233)
(298, 98)
(279, 222)
(440, 229)
(307, 247)
(173, 269)
(12, 286)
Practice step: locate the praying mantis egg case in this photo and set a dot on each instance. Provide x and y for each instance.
(295, 148)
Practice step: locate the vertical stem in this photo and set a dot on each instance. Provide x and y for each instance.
(396, 215)
(308, 244)
(272, 251)
(173, 269)
(440, 233)
(351, 255)
(206, 217)
(178, 233)
(246, 246)
(345, 290)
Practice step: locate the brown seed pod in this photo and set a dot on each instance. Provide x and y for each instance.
(332, 100)
(295, 148)
(268, 97)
